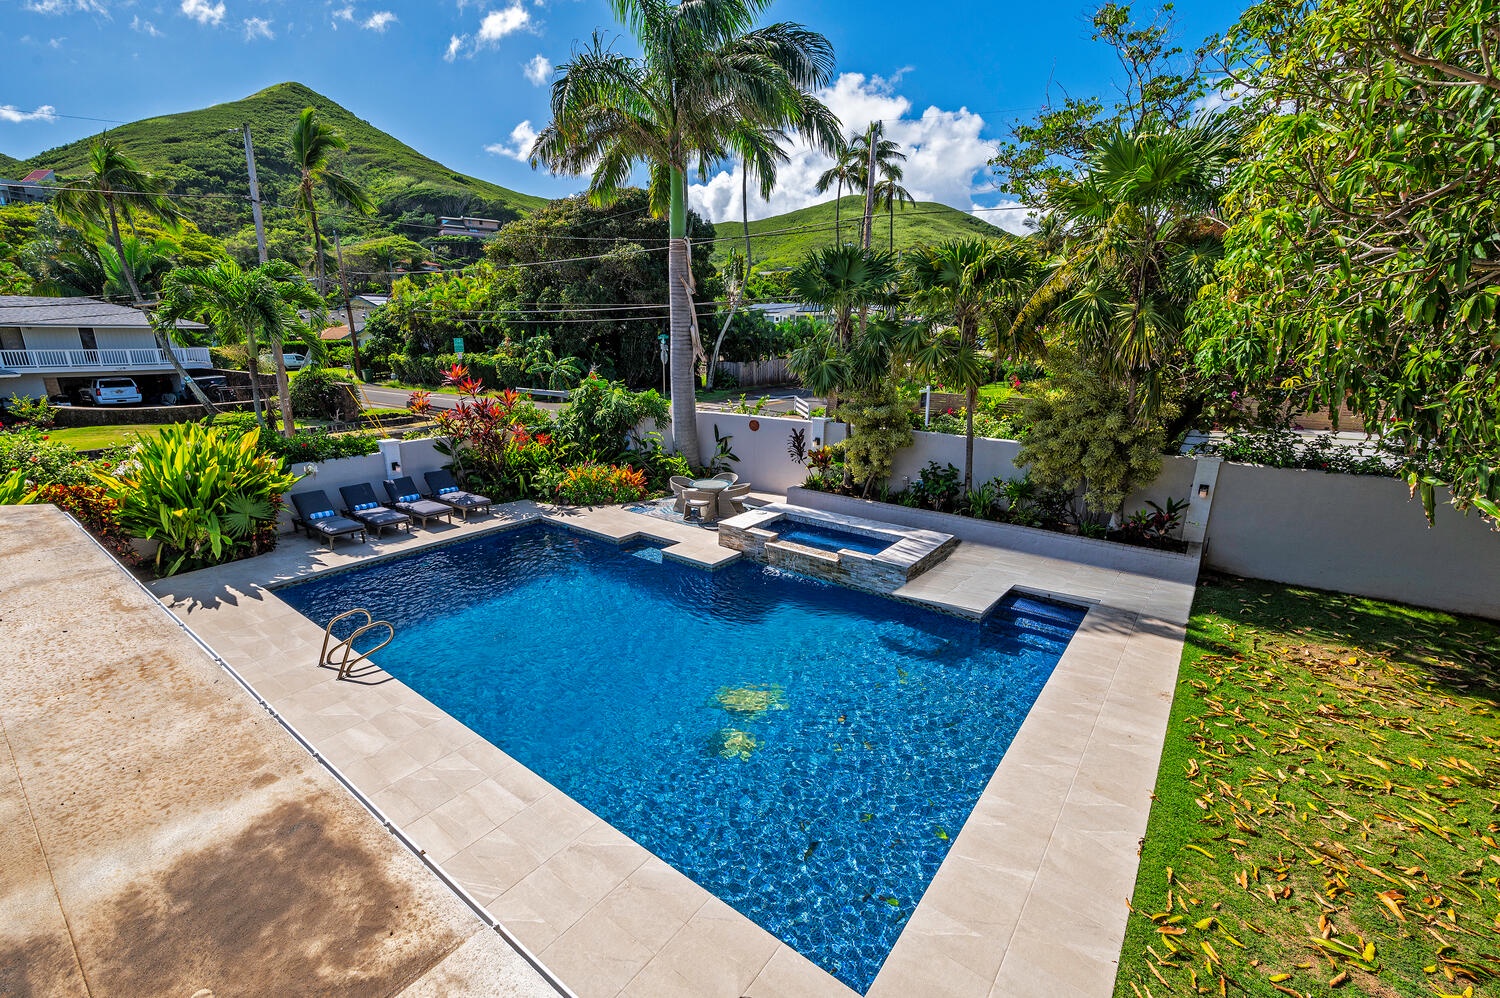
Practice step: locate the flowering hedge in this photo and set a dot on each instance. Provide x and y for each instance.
(601, 484)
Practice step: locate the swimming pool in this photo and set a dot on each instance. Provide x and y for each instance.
(804, 751)
(828, 538)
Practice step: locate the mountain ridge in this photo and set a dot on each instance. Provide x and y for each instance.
(200, 155)
(780, 241)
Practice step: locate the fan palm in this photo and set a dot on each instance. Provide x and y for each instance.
(846, 281)
(970, 291)
(1142, 239)
(705, 75)
(114, 187)
(253, 307)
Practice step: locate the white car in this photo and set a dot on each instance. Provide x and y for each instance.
(294, 361)
(111, 391)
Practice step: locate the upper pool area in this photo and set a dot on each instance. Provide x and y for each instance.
(806, 752)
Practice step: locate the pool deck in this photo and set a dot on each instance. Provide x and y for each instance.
(1029, 901)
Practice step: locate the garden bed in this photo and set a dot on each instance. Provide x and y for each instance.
(1036, 540)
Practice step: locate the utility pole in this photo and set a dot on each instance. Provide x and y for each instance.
(260, 222)
(875, 131)
(283, 384)
(348, 305)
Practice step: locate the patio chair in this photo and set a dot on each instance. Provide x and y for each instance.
(680, 486)
(704, 502)
(317, 516)
(732, 500)
(406, 498)
(364, 507)
(727, 476)
(445, 490)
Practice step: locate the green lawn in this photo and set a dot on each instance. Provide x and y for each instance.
(1328, 806)
(95, 437)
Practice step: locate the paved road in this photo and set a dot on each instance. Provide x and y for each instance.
(780, 399)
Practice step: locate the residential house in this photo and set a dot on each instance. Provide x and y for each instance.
(480, 228)
(36, 186)
(781, 311)
(56, 346)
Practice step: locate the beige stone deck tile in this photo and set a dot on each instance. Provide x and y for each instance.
(551, 823)
(653, 903)
(931, 974)
(789, 974)
(717, 954)
(492, 864)
(597, 956)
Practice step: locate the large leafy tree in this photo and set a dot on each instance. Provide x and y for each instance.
(1159, 82)
(254, 307)
(704, 75)
(1363, 255)
(969, 291)
(115, 187)
(1143, 238)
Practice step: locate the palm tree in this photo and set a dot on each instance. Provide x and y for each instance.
(841, 174)
(846, 281)
(890, 193)
(146, 262)
(247, 306)
(116, 186)
(1142, 239)
(886, 155)
(969, 289)
(705, 75)
(313, 146)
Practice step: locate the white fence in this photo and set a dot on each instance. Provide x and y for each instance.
(149, 359)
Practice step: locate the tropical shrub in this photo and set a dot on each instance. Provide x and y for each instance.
(302, 447)
(39, 460)
(15, 490)
(878, 428)
(657, 462)
(38, 412)
(318, 393)
(1082, 436)
(601, 484)
(601, 416)
(1285, 448)
(208, 496)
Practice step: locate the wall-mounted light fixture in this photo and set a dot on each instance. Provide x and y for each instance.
(395, 467)
(1203, 491)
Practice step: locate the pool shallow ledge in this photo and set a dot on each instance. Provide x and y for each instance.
(1028, 901)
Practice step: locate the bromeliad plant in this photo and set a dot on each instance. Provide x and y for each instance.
(206, 495)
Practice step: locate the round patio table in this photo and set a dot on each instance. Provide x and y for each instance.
(711, 484)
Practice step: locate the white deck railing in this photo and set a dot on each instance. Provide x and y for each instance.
(136, 359)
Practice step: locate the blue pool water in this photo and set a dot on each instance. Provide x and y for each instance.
(629, 682)
(828, 538)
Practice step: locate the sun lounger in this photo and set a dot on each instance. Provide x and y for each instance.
(446, 490)
(364, 507)
(406, 498)
(317, 516)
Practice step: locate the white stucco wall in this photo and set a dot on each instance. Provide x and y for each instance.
(1352, 533)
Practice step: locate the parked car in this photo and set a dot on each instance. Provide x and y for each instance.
(294, 361)
(110, 391)
(215, 386)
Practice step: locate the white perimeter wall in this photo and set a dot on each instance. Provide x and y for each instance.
(1351, 533)
(417, 458)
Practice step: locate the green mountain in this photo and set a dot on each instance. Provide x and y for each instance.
(202, 152)
(781, 241)
(8, 167)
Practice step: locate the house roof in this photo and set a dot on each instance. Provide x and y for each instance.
(27, 310)
(334, 333)
(37, 177)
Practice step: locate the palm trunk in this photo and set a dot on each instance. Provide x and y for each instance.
(321, 277)
(867, 231)
(252, 364)
(162, 342)
(680, 302)
(891, 210)
(745, 214)
(284, 388)
(838, 204)
(973, 399)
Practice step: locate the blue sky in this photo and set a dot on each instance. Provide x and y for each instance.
(464, 81)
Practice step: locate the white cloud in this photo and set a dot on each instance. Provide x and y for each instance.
(68, 7)
(499, 23)
(14, 115)
(519, 146)
(144, 27)
(256, 28)
(345, 14)
(538, 69)
(204, 12)
(946, 154)
(380, 20)
(455, 44)
(1008, 215)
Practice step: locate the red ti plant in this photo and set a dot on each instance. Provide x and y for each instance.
(480, 427)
